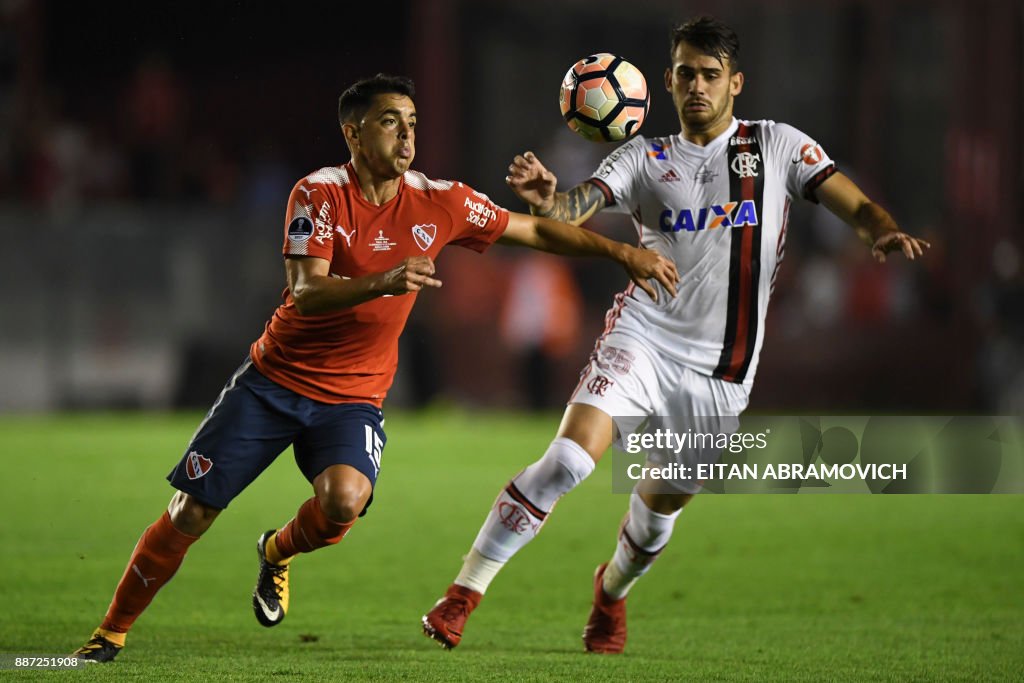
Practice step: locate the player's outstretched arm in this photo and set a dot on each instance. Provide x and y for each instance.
(873, 223)
(536, 185)
(548, 235)
(315, 291)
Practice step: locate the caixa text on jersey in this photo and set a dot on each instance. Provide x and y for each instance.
(731, 215)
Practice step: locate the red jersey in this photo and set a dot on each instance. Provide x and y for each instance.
(350, 355)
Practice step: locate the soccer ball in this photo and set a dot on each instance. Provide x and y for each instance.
(604, 98)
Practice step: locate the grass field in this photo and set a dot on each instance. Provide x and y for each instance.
(752, 588)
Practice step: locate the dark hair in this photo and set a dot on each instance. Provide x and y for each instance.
(711, 37)
(354, 102)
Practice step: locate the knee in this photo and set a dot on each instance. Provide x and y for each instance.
(189, 515)
(588, 427)
(343, 499)
(341, 508)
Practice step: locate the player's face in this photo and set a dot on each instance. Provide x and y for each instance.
(385, 138)
(702, 88)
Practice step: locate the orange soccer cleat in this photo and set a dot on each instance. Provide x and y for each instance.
(445, 621)
(605, 632)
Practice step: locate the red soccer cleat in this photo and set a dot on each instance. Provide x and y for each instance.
(605, 632)
(445, 621)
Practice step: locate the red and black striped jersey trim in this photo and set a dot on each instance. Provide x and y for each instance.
(609, 198)
(819, 177)
(743, 314)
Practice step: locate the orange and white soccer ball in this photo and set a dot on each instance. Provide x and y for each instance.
(604, 98)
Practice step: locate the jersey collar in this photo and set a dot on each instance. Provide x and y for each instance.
(712, 146)
(357, 190)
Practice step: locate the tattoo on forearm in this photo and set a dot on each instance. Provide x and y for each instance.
(578, 202)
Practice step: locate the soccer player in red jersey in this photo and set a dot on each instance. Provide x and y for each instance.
(360, 243)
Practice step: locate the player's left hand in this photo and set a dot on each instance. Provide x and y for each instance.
(912, 247)
(644, 264)
(532, 181)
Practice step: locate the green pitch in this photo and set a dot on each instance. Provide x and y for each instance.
(770, 587)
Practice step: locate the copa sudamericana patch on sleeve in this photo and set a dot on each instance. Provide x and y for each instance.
(300, 229)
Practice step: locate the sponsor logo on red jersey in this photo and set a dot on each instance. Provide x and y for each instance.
(323, 226)
(348, 235)
(197, 465)
(479, 212)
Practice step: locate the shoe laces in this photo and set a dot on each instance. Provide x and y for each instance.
(97, 642)
(276, 573)
(454, 608)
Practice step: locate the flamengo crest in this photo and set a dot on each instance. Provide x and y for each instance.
(745, 164)
(424, 235)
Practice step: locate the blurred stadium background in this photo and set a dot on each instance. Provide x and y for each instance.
(147, 150)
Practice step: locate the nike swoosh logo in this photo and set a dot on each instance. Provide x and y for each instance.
(271, 614)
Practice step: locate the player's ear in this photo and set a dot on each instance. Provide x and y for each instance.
(350, 131)
(736, 83)
(668, 78)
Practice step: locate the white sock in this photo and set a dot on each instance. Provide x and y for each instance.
(477, 571)
(642, 537)
(521, 509)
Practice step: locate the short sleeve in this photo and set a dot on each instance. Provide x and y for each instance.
(806, 163)
(616, 175)
(309, 222)
(477, 222)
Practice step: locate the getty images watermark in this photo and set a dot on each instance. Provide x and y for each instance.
(808, 454)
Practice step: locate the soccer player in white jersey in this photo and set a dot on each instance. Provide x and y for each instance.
(715, 199)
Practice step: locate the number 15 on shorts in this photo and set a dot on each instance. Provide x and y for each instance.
(374, 446)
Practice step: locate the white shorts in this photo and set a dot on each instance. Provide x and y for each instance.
(624, 378)
(631, 384)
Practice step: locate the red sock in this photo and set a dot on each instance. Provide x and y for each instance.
(156, 557)
(309, 530)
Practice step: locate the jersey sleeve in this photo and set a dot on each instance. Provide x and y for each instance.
(309, 221)
(617, 174)
(806, 164)
(477, 222)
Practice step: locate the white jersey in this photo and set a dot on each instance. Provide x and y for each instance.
(719, 212)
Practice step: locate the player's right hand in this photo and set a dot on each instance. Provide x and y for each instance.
(646, 264)
(411, 275)
(532, 182)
